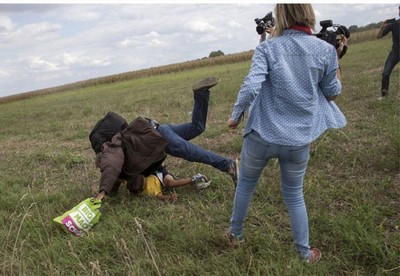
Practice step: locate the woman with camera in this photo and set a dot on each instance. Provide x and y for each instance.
(290, 87)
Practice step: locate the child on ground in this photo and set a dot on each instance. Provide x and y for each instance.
(154, 184)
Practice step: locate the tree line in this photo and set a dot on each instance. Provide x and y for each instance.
(355, 28)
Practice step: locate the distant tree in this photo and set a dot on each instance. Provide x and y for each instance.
(372, 26)
(353, 28)
(216, 53)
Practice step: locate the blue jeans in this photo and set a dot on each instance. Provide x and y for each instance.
(255, 155)
(178, 136)
(390, 63)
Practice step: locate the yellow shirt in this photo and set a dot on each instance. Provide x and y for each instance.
(152, 186)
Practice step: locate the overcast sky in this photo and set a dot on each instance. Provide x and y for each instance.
(45, 45)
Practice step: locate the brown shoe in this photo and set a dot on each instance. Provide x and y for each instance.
(233, 239)
(205, 84)
(314, 257)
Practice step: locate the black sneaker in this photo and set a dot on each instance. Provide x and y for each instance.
(205, 84)
(234, 171)
(384, 94)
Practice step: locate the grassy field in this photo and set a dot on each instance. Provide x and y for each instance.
(351, 188)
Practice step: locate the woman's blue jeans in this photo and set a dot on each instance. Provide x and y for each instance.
(178, 136)
(255, 155)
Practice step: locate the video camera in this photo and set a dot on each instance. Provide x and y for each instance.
(264, 22)
(333, 36)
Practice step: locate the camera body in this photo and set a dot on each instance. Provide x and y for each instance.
(262, 23)
(325, 34)
(332, 36)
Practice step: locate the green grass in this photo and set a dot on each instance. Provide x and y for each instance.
(351, 187)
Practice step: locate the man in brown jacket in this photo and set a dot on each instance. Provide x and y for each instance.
(140, 148)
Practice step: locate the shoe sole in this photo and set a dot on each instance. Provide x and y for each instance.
(316, 260)
(205, 84)
(203, 185)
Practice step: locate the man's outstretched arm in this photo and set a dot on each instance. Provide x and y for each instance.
(381, 32)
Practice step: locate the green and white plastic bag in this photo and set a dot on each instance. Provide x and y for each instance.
(81, 218)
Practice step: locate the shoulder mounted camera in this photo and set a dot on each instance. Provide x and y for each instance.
(333, 36)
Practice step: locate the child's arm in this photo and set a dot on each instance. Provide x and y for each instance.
(200, 181)
(169, 181)
(170, 198)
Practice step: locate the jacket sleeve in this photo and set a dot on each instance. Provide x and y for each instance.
(111, 162)
(388, 29)
(330, 85)
(252, 84)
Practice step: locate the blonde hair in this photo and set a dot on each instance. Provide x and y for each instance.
(288, 15)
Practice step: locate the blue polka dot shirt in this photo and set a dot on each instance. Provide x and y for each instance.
(287, 87)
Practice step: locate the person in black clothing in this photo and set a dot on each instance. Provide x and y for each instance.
(394, 55)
